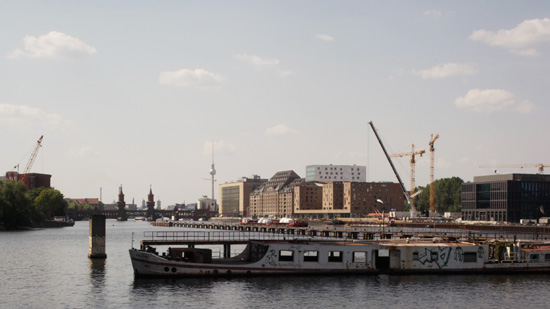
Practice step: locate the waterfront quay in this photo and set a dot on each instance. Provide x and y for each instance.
(364, 231)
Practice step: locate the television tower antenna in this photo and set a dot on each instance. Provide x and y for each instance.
(212, 173)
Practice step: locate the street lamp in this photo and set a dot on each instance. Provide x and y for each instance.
(383, 210)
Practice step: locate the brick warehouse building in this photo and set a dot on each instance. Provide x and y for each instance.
(506, 197)
(286, 194)
(354, 199)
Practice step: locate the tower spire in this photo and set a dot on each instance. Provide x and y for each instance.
(212, 173)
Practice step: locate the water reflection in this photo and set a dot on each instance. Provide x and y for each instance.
(97, 274)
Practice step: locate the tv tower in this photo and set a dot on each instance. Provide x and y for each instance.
(212, 173)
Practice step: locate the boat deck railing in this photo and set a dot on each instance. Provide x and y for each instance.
(214, 236)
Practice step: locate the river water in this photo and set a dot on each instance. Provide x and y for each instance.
(49, 268)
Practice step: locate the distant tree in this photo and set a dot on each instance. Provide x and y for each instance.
(447, 195)
(51, 203)
(78, 206)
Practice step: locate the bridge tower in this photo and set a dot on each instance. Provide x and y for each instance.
(151, 206)
(121, 204)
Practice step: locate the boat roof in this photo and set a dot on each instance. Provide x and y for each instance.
(542, 248)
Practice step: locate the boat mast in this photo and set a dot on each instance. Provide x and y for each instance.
(407, 195)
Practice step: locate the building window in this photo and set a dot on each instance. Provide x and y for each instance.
(311, 256)
(359, 257)
(470, 257)
(335, 256)
(286, 255)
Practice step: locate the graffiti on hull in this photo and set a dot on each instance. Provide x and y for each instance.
(438, 256)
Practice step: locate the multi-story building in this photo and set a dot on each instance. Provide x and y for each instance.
(235, 196)
(351, 199)
(333, 196)
(362, 198)
(308, 196)
(31, 180)
(342, 173)
(506, 197)
(205, 203)
(275, 197)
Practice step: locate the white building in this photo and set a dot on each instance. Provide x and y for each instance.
(352, 173)
(204, 202)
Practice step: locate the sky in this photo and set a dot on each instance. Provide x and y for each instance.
(138, 93)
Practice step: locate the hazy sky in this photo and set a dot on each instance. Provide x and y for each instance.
(133, 93)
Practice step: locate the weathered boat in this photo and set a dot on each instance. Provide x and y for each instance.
(307, 256)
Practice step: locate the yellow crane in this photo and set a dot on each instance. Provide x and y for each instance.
(540, 166)
(432, 189)
(412, 154)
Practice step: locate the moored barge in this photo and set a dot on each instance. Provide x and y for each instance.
(191, 255)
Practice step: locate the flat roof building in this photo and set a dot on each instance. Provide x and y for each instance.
(342, 173)
(506, 197)
(351, 199)
(235, 196)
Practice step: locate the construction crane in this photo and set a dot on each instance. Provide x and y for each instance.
(25, 174)
(407, 195)
(432, 189)
(412, 154)
(540, 166)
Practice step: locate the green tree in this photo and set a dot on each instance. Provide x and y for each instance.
(51, 203)
(447, 195)
(16, 208)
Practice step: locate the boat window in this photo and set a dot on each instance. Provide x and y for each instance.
(534, 257)
(470, 257)
(311, 256)
(360, 257)
(286, 255)
(415, 256)
(335, 256)
(547, 257)
(435, 256)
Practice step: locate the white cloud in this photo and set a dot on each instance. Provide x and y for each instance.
(442, 163)
(446, 70)
(257, 61)
(324, 37)
(220, 147)
(433, 13)
(285, 73)
(526, 34)
(198, 78)
(531, 52)
(278, 130)
(492, 100)
(525, 107)
(264, 63)
(84, 152)
(22, 114)
(53, 45)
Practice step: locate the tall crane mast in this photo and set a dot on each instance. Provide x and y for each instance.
(412, 154)
(25, 175)
(407, 195)
(432, 189)
(540, 166)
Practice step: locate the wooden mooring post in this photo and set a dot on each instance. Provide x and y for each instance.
(97, 237)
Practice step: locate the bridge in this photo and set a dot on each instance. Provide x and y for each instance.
(194, 214)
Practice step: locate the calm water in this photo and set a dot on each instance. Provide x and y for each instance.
(50, 269)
